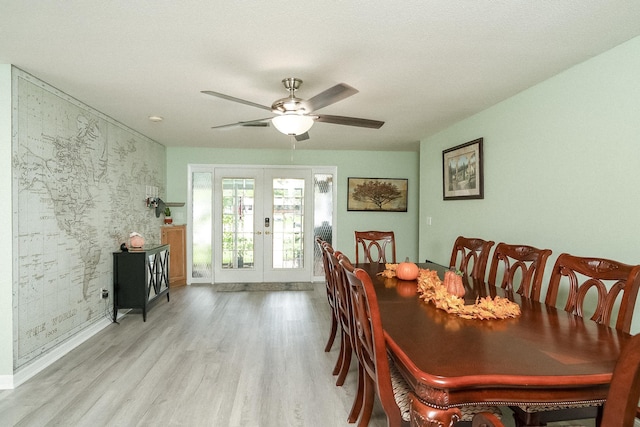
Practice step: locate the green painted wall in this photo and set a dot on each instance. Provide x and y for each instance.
(6, 244)
(387, 164)
(561, 167)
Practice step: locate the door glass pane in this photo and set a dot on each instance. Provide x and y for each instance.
(202, 223)
(288, 223)
(237, 222)
(322, 216)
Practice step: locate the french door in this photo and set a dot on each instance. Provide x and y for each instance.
(261, 226)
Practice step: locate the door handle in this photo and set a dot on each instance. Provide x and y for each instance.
(258, 232)
(267, 232)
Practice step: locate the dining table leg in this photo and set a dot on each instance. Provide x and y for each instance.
(423, 415)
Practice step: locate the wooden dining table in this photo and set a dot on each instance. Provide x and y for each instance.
(545, 356)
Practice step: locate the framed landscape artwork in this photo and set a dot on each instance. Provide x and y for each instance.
(377, 194)
(462, 171)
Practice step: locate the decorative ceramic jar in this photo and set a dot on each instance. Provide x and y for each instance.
(136, 240)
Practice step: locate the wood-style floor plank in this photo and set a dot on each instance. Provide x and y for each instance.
(205, 358)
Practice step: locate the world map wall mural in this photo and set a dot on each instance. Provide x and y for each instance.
(79, 180)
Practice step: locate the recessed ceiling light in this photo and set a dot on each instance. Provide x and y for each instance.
(156, 118)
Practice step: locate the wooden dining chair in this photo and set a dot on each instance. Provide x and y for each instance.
(345, 317)
(519, 261)
(334, 278)
(606, 279)
(374, 246)
(613, 286)
(356, 407)
(621, 406)
(470, 255)
(371, 350)
(325, 249)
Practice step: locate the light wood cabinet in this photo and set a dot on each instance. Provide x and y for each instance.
(175, 237)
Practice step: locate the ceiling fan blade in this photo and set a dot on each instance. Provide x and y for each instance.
(302, 137)
(234, 99)
(260, 123)
(330, 96)
(350, 121)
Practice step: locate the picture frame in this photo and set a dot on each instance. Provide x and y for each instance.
(377, 194)
(463, 171)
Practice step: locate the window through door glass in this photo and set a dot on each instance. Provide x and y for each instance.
(322, 216)
(202, 222)
(238, 223)
(288, 223)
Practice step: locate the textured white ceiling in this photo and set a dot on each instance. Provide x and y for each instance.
(419, 65)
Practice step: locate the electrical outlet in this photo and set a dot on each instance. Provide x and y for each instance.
(105, 293)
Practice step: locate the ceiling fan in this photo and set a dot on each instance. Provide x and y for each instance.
(295, 116)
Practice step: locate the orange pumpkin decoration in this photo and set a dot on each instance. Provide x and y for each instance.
(407, 270)
(453, 283)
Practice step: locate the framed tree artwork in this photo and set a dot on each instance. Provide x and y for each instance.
(377, 194)
(462, 171)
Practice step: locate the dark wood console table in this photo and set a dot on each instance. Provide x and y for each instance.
(140, 277)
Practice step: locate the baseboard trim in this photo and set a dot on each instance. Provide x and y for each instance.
(6, 382)
(27, 372)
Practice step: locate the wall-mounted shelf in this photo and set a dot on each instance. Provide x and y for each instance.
(159, 204)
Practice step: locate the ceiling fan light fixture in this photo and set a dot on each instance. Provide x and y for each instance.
(292, 124)
(295, 116)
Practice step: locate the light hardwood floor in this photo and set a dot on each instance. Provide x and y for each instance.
(205, 358)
